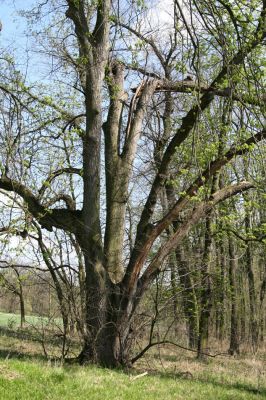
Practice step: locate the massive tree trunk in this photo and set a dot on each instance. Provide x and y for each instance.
(108, 325)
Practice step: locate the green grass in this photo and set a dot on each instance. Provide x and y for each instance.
(27, 380)
(25, 376)
(172, 375)
(13, 320)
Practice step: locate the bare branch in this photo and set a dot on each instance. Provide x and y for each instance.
(200, 211)
(155, 231)
(188, 122)
(165, 342)
(53, 175)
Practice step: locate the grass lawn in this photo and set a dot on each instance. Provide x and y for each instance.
(13, 320)
(170, 375)
(21, 380)
(25, 376)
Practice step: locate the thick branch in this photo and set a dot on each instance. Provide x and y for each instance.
(70, 203)
(187, 86)
(76, 13)
(101, 29)
(112, 126)
(135, 119)
(213, 167)
(119, 168)
(48, 218)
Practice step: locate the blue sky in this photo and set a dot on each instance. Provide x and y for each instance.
(13, 37)
(13, 25)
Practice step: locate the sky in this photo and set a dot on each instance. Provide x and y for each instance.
(13, 37)
(13, 25)
(36, 67)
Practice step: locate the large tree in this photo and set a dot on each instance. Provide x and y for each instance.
(168, 131)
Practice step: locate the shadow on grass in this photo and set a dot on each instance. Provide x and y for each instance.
(29, 337)
(241, 386)
(244, 387)
(53, 338)
(8, 354)
(186, 375)
(23, 334)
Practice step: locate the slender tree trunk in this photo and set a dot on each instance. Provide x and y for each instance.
(205, 300)
(262, 313)
(22, 307)
(254, 323)
(220, 312)
(243, 305)
(189, 298)
(173, 278)
(234, 334)
(20, 294)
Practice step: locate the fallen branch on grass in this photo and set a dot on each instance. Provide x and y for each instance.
(133, 378)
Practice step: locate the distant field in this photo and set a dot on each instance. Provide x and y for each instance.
(13, 320)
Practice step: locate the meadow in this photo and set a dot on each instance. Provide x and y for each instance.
(25, 374)
(13, 320)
